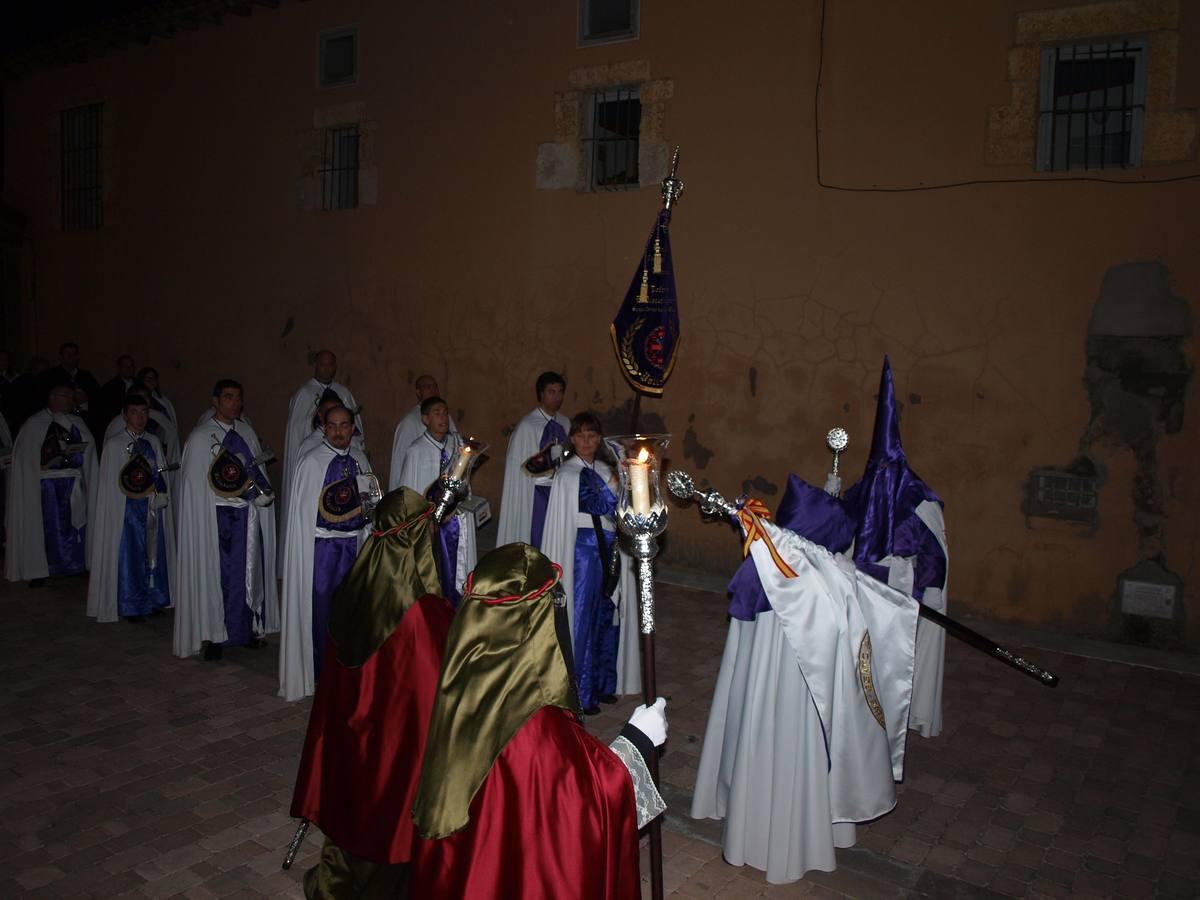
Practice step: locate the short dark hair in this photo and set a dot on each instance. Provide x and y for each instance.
(548, 378)
(335, 408)
(140, 377)
(586, 420)
(62, 348)
(134, 398)
(224, 384)
(430, 402)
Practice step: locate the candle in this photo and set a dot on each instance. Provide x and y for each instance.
(460, 464)
(639, 483)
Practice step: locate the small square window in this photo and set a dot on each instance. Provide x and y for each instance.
(605, 21)
(338, 63)
(82, 152)
(1092, 105)
(339, 168)
(613, 139)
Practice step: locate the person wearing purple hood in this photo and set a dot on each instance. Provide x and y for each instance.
(779, 816)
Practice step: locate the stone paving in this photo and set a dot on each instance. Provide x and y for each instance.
(127, 772)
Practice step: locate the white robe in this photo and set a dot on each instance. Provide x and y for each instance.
(563, 520)
(168, 406)
(301, 409)
(296, 665)
(423, 466)
(516, 499)
(25, 554)
(410, 428)
(926, 715)
(104, 535)
(793, 752)
(196, 581)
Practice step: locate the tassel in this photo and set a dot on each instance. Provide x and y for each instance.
(657, 256)
(644, 293)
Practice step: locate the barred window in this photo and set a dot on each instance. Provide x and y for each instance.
(82, 146)
(1093, 105)
(339, 168)
(613, 139)
(605, 21)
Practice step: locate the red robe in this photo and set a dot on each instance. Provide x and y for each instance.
(555, 818)
(366, 738)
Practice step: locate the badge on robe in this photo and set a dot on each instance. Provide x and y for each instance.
(54, 447)
(136, 478)
(228, 476)
(341, 501)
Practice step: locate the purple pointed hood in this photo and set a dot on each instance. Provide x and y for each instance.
(889, 491)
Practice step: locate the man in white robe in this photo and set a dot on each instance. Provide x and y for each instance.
(326, 529)
(428, 457)
(806, 733)
(300, 424)
(52, 481)
(225, 589)
(524, 498)
(133, 539)
(410, 428)
(604, 630)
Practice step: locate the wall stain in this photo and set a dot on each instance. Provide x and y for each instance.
(753, 381)
(760, 485)
(914, 399)
(287, 327)
(693, 449)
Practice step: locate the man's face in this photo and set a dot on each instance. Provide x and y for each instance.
(150, 379)
(229, 404)
(125, 367)
(62, 400)
(339, 429)
(136, 418)
(426, 387)
(325, 367)
(551, 398)
(586, 442)
(70, 357)
(437, 420)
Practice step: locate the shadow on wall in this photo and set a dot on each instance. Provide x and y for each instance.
(1136, 378)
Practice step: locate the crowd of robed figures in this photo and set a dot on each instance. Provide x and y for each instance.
(805, 736)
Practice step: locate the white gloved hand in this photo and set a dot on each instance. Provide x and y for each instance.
(652, 721)
(264, 500)
(833, 485)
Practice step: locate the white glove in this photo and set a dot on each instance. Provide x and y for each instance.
(652, 721)
(833, 485)
(264, 500)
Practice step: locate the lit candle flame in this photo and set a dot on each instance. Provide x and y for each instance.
(643, 455)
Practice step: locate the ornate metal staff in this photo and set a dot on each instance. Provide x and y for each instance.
(683, 486)
(642, 517)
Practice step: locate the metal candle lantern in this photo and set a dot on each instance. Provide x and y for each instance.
(642, 517)
(455, 483)
(641, 512)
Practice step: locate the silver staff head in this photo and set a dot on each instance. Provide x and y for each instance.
(672, 187)
(837, 440)
(683, 486)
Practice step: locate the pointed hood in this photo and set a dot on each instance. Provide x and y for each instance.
(889, 491)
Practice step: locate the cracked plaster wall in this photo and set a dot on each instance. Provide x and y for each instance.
(790, 295)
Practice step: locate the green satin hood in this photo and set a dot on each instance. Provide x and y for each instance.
(502, 664)
(395, 568)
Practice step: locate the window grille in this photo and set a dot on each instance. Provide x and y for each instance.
(604, 21)
(616, 122)
(338, 63)
(82, 167)
(1055, 494)
(1093, 103)
(339, 168)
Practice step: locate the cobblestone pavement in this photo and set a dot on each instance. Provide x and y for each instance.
(127, 772)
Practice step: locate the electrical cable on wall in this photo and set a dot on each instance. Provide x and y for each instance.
(910, 189)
